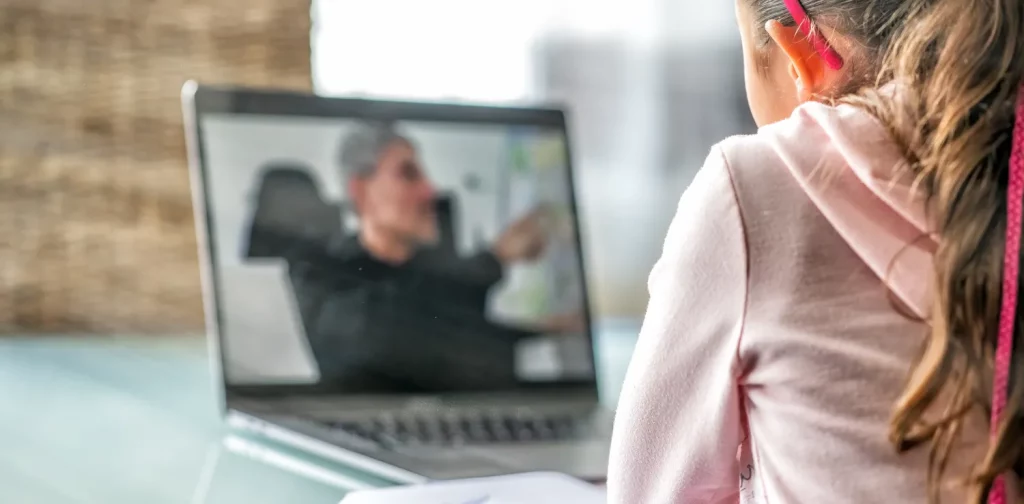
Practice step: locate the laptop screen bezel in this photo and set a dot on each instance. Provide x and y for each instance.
(201, 101)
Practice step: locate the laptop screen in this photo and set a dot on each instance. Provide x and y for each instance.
(393, 254)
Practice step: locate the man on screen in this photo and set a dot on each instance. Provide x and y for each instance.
(396, 204)
(389, 310)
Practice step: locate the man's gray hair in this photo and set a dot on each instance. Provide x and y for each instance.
(362, 146)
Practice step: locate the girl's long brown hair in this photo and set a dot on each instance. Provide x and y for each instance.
(956, 67)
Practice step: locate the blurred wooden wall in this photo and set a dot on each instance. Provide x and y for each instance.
(96, 229)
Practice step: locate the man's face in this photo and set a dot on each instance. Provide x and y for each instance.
(397, 197)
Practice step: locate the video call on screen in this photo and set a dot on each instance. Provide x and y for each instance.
(394, 257)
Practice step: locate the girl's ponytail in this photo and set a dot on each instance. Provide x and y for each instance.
(957, 69)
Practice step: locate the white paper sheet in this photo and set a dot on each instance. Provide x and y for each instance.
(530, 488)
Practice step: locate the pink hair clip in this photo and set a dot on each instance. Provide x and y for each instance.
(803, 23)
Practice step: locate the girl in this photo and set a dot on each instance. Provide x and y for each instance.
(823, 321)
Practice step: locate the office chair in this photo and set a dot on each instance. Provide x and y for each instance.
(289, 210)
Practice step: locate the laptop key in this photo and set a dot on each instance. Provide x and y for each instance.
(469, 428)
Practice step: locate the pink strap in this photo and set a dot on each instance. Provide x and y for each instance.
(1011, 272)
(821, 46)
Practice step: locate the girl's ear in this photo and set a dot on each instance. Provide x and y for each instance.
(809, 72)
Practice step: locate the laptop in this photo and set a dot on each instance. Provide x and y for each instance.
(396, 286)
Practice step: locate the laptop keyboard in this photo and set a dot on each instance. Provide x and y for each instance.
(466, 429)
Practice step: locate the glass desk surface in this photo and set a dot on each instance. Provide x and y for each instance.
(110, 420)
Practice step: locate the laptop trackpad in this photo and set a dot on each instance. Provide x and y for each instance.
(587, 460)
(446, 463)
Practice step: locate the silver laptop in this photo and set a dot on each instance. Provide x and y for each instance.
(397, 286)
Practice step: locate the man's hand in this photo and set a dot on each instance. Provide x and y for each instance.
(524, 240)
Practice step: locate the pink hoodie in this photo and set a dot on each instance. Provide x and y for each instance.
(771, 355)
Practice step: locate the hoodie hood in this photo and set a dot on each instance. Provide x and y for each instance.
(858, 181)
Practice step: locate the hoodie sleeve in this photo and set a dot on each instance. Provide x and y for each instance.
(678, 425)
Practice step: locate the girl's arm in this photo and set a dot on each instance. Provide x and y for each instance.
(677, 429)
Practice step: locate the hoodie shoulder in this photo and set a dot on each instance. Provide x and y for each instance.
(833, 175)
(774, 207)
(815, 144)
(776, 149)
(760, 174)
